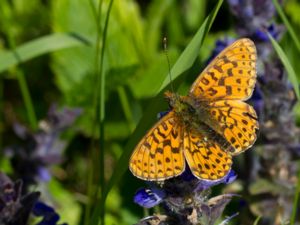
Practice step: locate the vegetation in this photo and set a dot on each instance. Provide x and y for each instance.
(83, 81)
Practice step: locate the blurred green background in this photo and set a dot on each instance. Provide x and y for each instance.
(51, 50)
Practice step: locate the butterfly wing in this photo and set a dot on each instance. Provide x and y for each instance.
(159, 155)
(226, 82)
(231, 75)
(206, 158)
(237, 121)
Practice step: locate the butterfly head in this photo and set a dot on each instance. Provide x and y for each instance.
(176, 102)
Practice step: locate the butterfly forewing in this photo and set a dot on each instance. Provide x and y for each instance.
(159, 155)
(231, 75)
(225, 83)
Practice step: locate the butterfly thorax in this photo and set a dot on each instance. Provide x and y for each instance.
(193, 115)
(186, 109)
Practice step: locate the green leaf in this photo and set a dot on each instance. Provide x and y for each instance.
(39, 46)
(74, 68)
(291, 73)
(69, 208)
(195, 12)
(184, 62)
(152, 74)
(287, 24)
(155, 17)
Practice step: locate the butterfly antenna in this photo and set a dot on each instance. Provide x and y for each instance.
(169, 67)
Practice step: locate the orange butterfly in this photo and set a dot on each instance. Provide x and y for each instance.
(208, 126)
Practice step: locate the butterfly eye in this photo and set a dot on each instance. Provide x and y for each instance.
(191, 109)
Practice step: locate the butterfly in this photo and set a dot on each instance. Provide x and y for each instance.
(207, 127)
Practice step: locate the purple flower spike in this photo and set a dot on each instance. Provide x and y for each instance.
(213, 208)
(294, 148)
(15, 207)
(62, 119)
(274, 30)
(41, 149)
(205, 184)
(257, 100)
(220, 46)
(149, 198)
(259, 11)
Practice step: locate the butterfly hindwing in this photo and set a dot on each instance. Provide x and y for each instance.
(159, 154)
(206, 159)
(236, 121)
(231, 75)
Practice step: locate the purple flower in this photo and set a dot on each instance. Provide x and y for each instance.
(175, 191)
(213, 208)
(149, 198)
(44, 174)
(194, 208)
(205, 184)
(260, 34)
(274, 164)
(15, 207)
(254, 19)
(253, 12)
(50, 217)
(60, 120)
(202, 184)
(257, 101)
(220, 45)
(41, 149)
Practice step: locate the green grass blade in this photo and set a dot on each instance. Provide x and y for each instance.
(184, 62)
(287, 24)
(99, 216)
(39, 46)
(285, 61)
(257, 220)
(102, 117)
(187, 58)
(96, 160)
(155, 17)
(23, 88)
(126, 107)
(296, 200)
(27, 99)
